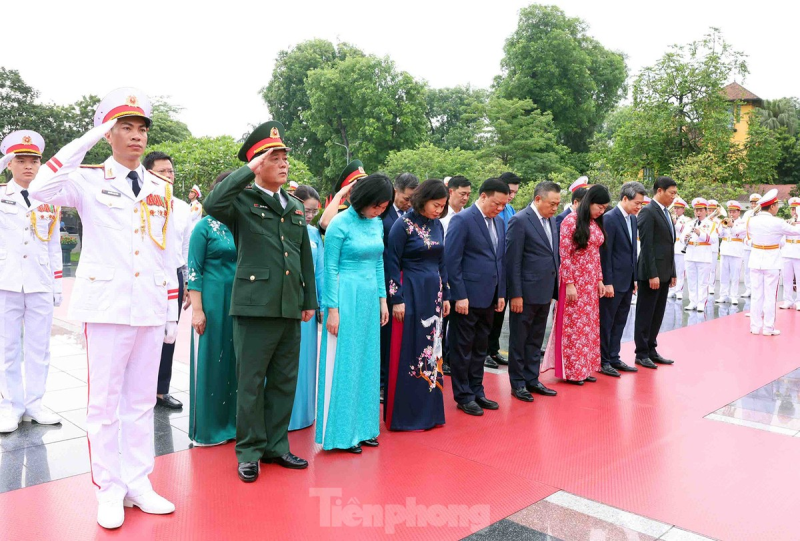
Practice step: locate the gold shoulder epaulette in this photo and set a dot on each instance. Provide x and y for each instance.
(90, 166)
(165, 179)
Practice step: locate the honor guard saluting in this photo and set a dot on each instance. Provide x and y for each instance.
(754, 197)
(273, 290)
(790, 255)
(195, 206)
(699, 237)
(765, 230)
(125, 293)
(681, 222)
(30, 284)
(733, 233)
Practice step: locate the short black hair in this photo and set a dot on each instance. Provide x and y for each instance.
(431, 189)
(304, 192)
(510, 178)
(404, 181)
(579, 194)
(491, 185)
(373, 189)
(222, 176)
(664, 183)
(149, 161)
(545, 187)
(458, 182)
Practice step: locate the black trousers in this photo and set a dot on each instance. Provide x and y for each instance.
(469, 336)
(386, 346)
(497, 329)
(168, 350)
(650, 307)
(526, 334)
(446, 337)
(613, 317)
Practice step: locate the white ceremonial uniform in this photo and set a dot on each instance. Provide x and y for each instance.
(746, 255)
(680, 263)
(790, 256)
(30, 280)
(698, 260)
(765, 232)
(196, 208)
(183, 229)
(712, 269)
(125, 292)
(732, 251)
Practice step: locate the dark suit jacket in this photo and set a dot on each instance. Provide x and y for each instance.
(560, 217)
(531, 264)
(657, 258)
(475, 271)
(618, 256)
(388, 222)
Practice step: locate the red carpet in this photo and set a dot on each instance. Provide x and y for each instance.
(639, 443)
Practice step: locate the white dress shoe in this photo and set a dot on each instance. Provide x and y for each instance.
(690, 307)
(8, 423)
(701, 309)
(797, 307)
(734, 300)
(150, 502)
(754, 331)
(679, 296)
(42, 417)
(773, 332)
(785, 305)
(720, 300)
(110, 514)
(746, 293)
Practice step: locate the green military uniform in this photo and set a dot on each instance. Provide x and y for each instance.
(274, 284)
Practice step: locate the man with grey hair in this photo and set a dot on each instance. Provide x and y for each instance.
(618, 259)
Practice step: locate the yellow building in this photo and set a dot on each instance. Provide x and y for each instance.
(743, 104)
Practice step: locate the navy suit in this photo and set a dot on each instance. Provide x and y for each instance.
(560, 217)
(532, 273)
(386, 331)
(618, 259)
(475, 271)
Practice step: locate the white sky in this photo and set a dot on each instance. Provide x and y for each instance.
(213, 60)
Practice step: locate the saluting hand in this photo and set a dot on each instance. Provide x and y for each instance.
(256, 163)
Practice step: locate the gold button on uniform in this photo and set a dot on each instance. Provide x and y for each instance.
(252, 278)
(136, 210)
(282, 220)
(136, 275)
(285, 254)
(281, 237)
(136, 252)
(287, 273)
(164, 283)
(263, 215)
(135, 230)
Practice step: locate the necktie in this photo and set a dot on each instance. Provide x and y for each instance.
(630, 229)
(492, 232)
(277, 197)
(25, 195)
(669, 221)
(134, 176)
(547, 231)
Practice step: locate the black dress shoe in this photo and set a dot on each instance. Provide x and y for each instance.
(522, 393)
(490, 363)
(660, 360)
(170, 402)
(647, 363)
(622, 367)
(248, 471)
(609, 370)
(287, 461)
(591, 379)
(372, 442)
(538, 388)
(499, 359)
(471, 408)
(446, 369)
(574, 382)
(355, 449)
(486, 404)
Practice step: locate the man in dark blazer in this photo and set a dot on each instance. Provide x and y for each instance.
(618, 259)
(474, 253)
(404, 186)
(656, 272)
(578, 190)
(532, 271)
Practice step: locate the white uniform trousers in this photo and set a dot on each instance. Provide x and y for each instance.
(764, 285)
(123, 374)
(697, 280)
(729, 276)
(712, 272)
(746, 264)
(680, 270)
(34, 313)
(791, 270)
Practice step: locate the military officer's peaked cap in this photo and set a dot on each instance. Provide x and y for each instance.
(351, 173)
(582, 182)
(733, 204)
(266, 136)
(24, 142)
(646, 200)
(123, 102)
(699, 203)
(769, 199)
(679, 203)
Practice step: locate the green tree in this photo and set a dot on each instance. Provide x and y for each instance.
(18, 107)
(165, 127)
(551, 60)
(762, 153)
(367, 106)
(452, 122)
(524, 139)
(287, 98)
(780, 113)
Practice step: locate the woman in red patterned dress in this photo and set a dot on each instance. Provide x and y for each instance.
(574, 345)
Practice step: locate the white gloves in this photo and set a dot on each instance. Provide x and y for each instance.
(171, 332)
(6, 160)
(57, 298)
